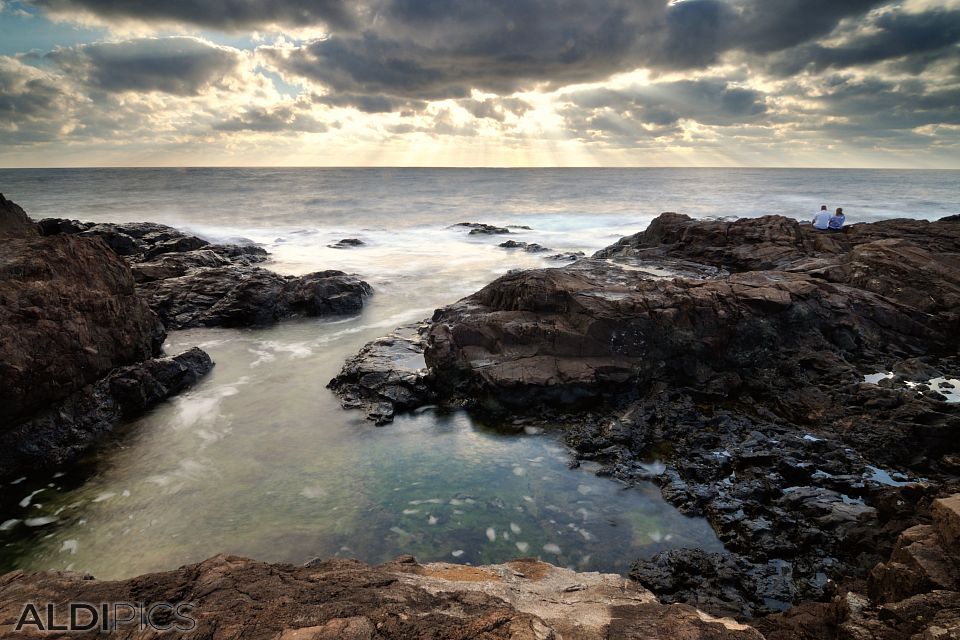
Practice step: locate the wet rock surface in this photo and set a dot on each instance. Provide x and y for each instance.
(347, 243)
(86, 418)
(190, 282)
(345, 599)
(243, 296)
(726, 361)
(388, 375)
(914, 594)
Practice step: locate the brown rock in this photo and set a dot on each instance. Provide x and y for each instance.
(14, 221)
(946, 520)
(69, 313)
(345, 599)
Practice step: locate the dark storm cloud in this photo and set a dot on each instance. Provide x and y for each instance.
(708, 101)
(227, 15)
(877, 105)
(432, 49)
(181, 66)
(921, 39)
(438, 50)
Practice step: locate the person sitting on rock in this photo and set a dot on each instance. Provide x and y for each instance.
(836, 222)
(822, 219)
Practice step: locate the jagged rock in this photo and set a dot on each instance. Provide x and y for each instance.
(234, 296)
(190, 282)
(63, 432)
(336, 598)
(946, 518)
(386, 376)
(347, 243)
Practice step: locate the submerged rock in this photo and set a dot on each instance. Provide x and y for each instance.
(529, 247)
(338, 598)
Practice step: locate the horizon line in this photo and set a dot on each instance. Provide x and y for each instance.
(474, 168)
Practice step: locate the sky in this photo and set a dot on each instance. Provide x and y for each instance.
(778, 83)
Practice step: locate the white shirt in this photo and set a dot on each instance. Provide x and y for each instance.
(822, 220)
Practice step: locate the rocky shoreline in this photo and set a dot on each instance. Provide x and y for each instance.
(795, 387)
(728, 363)
(84, 312)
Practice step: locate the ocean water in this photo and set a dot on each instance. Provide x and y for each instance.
(260, 460)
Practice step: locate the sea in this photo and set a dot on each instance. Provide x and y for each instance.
(260, 460)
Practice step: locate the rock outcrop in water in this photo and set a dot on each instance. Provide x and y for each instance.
(737, 353)
(79, 346)
(346, 600)
(190, 282)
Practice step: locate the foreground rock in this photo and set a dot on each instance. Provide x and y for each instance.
(344, 599)
(736, 352)
(190, 282)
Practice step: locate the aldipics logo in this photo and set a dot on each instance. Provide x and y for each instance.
(106, 616)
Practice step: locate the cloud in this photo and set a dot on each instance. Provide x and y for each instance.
(921, 39)
(623, 116)
(179, 65)
(226, 15)
(33, 106)
(285, 118)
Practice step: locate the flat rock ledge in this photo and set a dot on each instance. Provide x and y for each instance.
(338, 599)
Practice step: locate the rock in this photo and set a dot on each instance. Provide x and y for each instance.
(347, 243)
(386, 376)
(478, 228)
(190, 282)
(570, 256)
(62, 433)
(946, 519)
(234, 296)
(69, 313)
(14, 220)
(339, 598)
(529, 247)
